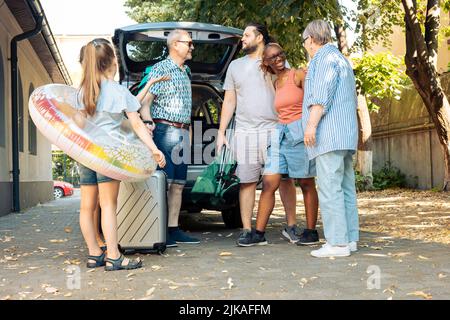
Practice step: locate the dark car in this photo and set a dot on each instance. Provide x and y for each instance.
(142, 45)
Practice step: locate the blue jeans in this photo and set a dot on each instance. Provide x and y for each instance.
(174, 143)
(89, 177)
(337, 197)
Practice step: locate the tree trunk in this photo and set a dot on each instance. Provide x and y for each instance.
(420, 67)
(365, 154)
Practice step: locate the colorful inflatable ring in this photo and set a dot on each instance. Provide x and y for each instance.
(119, 155)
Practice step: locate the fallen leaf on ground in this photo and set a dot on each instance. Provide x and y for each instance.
(230, 283)
(156, 268)
(422, 294)
(401, 254)
(68, 229)
(229, 235)
(130, 275)
(6, 298)
(150, 291)
(173, 287)
(8, 258)
(302, 282)
(376, 255)
(423, 258)
(442, 275)
(24, 272)
(51, 290)
(225, 254)
(67, 295)
(391, 289)
(58, 240)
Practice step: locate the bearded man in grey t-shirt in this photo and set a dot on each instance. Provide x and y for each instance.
(251, 95)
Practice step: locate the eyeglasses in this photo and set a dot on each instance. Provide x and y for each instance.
(304, 39)
(189, 43)
(274, 58)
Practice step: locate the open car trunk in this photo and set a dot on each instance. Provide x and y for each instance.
(143, 45)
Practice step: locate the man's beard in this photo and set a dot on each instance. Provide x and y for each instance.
(250, 49)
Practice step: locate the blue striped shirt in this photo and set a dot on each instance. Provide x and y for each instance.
(330, 83)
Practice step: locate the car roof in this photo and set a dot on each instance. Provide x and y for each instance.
(181, 25)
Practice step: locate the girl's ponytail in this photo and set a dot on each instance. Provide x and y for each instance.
(97, 57)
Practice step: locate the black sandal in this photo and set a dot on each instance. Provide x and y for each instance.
(116, 264)
(99, 261)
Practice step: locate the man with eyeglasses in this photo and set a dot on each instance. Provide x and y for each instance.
(251, 95)
(167, 108)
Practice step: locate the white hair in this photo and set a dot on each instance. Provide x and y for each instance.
(319, 31)
(174, 36)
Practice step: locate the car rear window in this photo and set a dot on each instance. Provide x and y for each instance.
(152, 52)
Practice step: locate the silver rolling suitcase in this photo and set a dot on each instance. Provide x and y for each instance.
(142, 215)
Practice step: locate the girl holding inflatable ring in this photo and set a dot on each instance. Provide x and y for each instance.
(103, 101)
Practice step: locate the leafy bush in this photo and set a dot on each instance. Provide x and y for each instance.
(389, 177)
(363, 182)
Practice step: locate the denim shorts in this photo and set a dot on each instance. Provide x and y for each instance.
(89, 177)
(175, 144)
(289, 156)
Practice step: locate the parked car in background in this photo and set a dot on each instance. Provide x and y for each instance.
(62, 189)
(142, 45)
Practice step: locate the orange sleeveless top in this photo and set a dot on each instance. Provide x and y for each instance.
(289, 100)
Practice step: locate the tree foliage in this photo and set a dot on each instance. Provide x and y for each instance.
(379, 76)
(285, 19)
(374, 22)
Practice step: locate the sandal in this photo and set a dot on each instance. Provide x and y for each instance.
(99, 261)
(116, 264)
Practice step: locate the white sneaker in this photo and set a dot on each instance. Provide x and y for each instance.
(331, 251)
(353, 246)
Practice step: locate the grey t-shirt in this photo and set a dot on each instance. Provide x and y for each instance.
(255, 95)
(112, 102)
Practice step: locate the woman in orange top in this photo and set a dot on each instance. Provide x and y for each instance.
(288, 156)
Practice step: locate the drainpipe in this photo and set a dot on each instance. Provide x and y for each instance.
(14, 108)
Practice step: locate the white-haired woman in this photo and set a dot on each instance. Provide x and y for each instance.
(331, 136)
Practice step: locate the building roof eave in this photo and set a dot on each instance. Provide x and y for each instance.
(44, 43)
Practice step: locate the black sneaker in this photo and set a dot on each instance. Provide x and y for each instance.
(245, 236)
(252, 239)
(308, 237)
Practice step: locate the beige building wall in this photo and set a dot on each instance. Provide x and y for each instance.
(69, 47)
(398, 45)
(35, 170)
